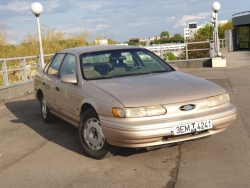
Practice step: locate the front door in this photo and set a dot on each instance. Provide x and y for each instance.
(68, 97)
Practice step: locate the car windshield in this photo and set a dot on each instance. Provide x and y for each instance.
(119, 63)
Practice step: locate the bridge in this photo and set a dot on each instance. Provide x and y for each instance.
(35, 154)
(22, 69)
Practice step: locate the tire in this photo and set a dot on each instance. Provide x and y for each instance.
(91, 137)
(46, 114)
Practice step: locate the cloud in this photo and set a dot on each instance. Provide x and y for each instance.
(73, 30)
(81, 29)
(112, 18)
(185, 18)
(49, 6)
(15, 8)
(12, 42)
(19, 7)
(98, 27)
(169, 19)
(93, 7)
(136, 24)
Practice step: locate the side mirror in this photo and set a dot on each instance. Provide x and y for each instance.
(69, 79)
(174, 66)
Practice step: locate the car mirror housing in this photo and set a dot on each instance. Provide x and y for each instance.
(69, 79)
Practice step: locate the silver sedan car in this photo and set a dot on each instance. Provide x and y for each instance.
(124, 96)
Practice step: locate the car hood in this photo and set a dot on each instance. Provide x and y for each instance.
(158, 88)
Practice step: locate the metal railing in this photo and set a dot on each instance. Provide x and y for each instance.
(178, 50)
(223, 43)
(21, 68)
(184, 49)
(24, 67)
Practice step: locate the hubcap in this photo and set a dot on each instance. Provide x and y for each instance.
(93, 135)
(44, 108)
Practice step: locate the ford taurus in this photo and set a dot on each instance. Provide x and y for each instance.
(124, 96)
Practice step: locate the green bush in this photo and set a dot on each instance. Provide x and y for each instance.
(52, 41)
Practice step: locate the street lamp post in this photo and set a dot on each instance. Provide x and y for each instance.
(216, 8)
(36, 8)
(213, 31)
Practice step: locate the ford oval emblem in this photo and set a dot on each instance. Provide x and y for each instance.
(187, 107)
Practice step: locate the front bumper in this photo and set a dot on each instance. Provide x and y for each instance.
(135, 134)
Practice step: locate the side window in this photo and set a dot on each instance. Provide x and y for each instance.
(128, 59)
(55, 65)
(68, 65)
(93, 59)
(48, 64)
(149, 62)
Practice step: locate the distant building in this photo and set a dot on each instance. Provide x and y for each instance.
(241, 32)
(135, 40)
(101, 42)
(154, 38)
(191, 30)
(222, 21)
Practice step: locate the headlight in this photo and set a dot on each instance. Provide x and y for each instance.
(139, 112)
(218, 100)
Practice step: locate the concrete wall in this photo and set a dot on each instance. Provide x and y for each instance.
(21, 89)
(16, 91)
(192, 63)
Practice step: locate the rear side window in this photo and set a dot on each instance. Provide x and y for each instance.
(68, 65)
(55, 65)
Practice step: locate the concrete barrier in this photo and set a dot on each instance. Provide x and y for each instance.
(199, 63)
(23, 88)
(16, 90)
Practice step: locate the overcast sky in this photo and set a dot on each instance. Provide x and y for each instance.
(114, 19)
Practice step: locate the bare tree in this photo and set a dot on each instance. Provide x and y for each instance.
(3, 34)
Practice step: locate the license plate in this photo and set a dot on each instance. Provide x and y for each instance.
(193, 127)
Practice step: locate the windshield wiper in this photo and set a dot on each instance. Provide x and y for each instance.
(108, 77)
(160, 71)
(139, 73)
(123, 75)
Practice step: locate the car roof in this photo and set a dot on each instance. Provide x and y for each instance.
(86, 49)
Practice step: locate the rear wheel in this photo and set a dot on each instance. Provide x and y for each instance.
(46, 114)
(91, 137)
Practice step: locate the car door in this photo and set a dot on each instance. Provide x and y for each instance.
(68, 97)
(49, 80)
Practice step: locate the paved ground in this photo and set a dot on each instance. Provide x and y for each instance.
(35, 154)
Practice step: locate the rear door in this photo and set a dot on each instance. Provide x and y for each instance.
(50, 79)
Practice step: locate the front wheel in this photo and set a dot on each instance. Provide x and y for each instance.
(91, 137)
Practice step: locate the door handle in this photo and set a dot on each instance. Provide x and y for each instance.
(57, 89)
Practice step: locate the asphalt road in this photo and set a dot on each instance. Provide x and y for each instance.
(35, 154)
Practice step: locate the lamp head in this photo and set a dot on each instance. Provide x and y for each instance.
(36, 8)
(216, 6)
